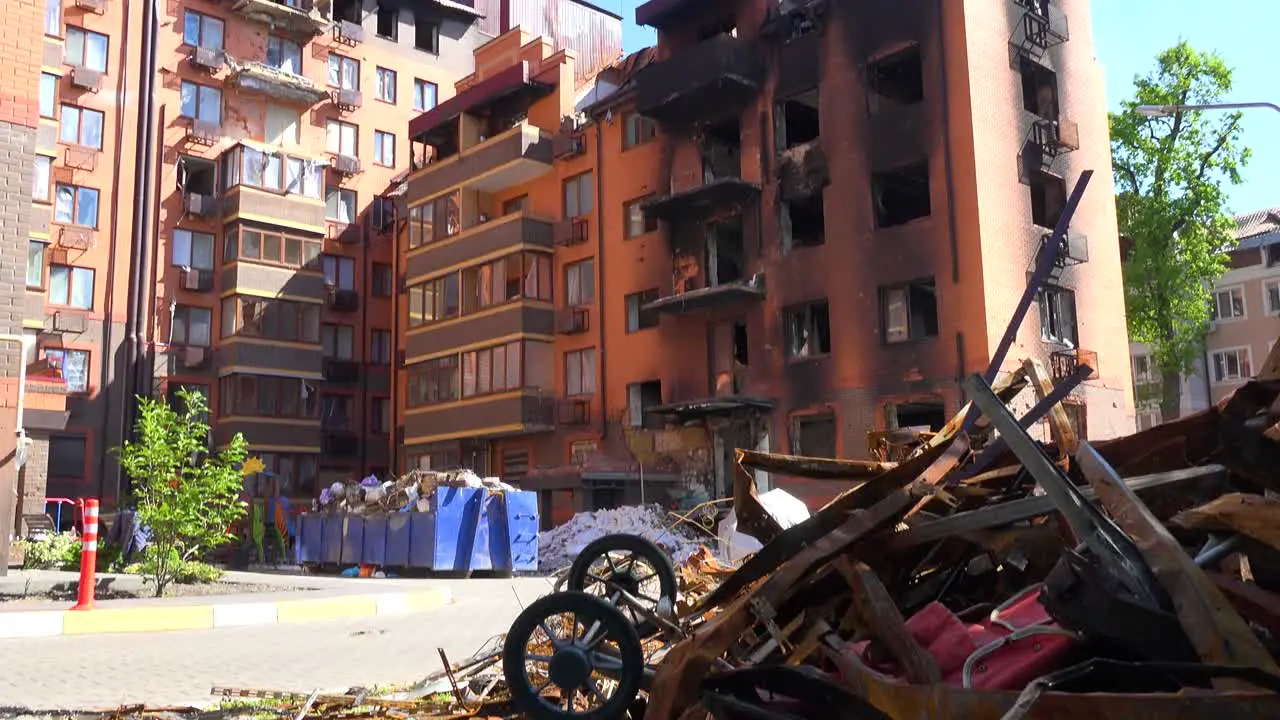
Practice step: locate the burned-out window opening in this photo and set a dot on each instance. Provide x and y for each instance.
(928, 415)
(1273, 254)
(808, 330)
(726, 255)
(896, 79)
(796, 119)
(348, 10)
(1048, 198)
(388, 22)
(641, 398)
(1039, 89)
(607, 494)
(515, 463)
(1058, 315)
(637, 317)
(721, 150)
(910, 311)
(814, 435)
(197, 176)
(728, 357)
(901, 194)
(426, 34)
(804, 222)
(724, 26)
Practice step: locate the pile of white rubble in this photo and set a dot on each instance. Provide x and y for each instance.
(559, 546)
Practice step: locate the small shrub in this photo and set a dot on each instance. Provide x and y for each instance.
(53, 552)
(184, 572)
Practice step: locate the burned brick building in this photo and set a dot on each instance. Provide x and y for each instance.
(805, 222)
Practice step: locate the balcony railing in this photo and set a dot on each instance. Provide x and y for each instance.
(340, 371)
(714, 79)
(289, 16)
(278, 84)
(1041, 27)
(1064, 363)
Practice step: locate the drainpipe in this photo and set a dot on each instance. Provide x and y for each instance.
(600, 294)
(108, 360)
(142, 220)
(146, 369)
(24, 343)
(367, 404)
(944, 96)
(397, 291)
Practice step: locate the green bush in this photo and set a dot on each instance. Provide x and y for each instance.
(185, 572)
(53, 552)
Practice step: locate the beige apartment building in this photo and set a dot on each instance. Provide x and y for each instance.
(1244, 326)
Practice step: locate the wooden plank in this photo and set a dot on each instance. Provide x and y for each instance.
(879, 618)
(1218, 633)
(1042, 384)
(813, 468)
(1253, 516)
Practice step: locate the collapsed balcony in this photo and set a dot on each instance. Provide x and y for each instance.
(722, 186)
(275, 83)
(291, 16)
(709, 268)
(716, 78)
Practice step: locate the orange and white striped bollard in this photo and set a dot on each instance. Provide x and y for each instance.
(88, 556)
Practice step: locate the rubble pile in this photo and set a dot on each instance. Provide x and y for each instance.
(409, 493)
(559, 546)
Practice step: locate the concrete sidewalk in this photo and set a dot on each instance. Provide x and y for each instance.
(301, 598)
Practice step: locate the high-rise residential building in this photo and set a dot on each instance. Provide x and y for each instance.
(1244, 323)
(787, 226)
(204, 194)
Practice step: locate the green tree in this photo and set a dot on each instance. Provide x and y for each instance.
(1169, 175)
(186, 496)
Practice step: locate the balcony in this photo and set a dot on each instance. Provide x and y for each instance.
(75, 237)
(509, 232)
(692, 298)
(722, 192)
(347, 100)
(1073, 249)
(512, 158)
(254, 355)
(1047, 140)
(344, 234)
(271, 281)
(803, 171)
(715, 79)
(516, 318)
(694, 400)
(80, 158)
(1043, 26)
(284, 87)
(182, 360)
(97, 7)
(66, 321)
(201, 132)
(195, 280)
(299, 433)
(572, 232)
(340, 371)
(514, 413)
(198, 205)
(348, 33)
(290, 16)
(339, 443)
(288, 210)
(341, 300)
(1065, 363)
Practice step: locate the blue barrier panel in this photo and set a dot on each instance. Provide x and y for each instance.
(374, 551)
(422, 539)
(488, 507)
(521, 510)
(331, 552)
(352, 539)
(309, 545)
(457, 510)
(398, 538)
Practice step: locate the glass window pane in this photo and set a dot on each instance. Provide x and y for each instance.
(35, 264)
(59, 284)
(182, 248)
(40, 180)
(82, 288)
(48, 94)
(189, 99)
(212, 33)
(64, 207)
(87, 207)
(69, 125)
(96, 52)
(202, 251)
(91, 129)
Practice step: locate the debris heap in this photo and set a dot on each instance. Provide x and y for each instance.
(410, 492)
(559, 546)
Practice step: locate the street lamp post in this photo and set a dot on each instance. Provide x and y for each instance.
(1167, 110)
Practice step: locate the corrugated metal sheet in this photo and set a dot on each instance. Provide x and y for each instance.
(594, 36)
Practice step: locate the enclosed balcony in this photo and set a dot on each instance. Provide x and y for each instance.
(482, 239)
(709, 269)
(280, 85)
(515, 156)
(299, 17)
(264, 184)
(714, 79)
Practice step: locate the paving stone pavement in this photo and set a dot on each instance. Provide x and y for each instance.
(178, 668)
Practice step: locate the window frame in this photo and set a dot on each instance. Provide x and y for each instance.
(640, 138)
(499, 365)
(282, 44)
(1229, 290)
(1244, 362)
(43, 262)
(795, 434)
(44, 195)
(379, 287)
(201, 19)
(806, 310)
(233, 173)
(74, 272)
(53, 18)
(420, 21)
(185, 312)
(58, 450)
(640, 299)
(198, 115)
(420, 87)
(334, 128)
(64, 352)
(435, 292)
(76, 203)
(47, 102)
(253, 391)
(190, 241)
(1267, 285)
(648, 224)
(233, 246)
(436, 381)
(343, 62)
(79, 113)
(1053, 294)
(380, 139)
(338, 341)
(84, 46)
(338, 263)
(423, 231)
(579, 358)
(577, 182)
(380, 347)
(496, 274)
(585, 269)
(341, 193)
(381, 72)
(395, 22)
(380, 420)
(265, 324)
(906, 289)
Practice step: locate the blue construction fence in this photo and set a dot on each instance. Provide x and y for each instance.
(465, 529)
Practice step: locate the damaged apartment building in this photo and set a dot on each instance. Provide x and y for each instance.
(789, 226)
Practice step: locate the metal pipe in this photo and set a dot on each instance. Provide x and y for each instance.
(1167, 110)
(601, 364)
(20, 449)
(25, 342)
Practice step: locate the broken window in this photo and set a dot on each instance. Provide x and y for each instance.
(896, 79)
(910, 312)
(927, 416)
(1048, 197)
(641, 398)
(348, 10)
(721, 150)
(637, 317)
(388, 24)
(804, 222)
(808, 331)
(796, 119)
(814, 435)
(1058, 315)
(426, 34)
(1039, 89)
(901, 195)
(726, 256)
(728, 357)
(197, 176)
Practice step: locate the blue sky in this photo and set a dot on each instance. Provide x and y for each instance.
(1128, 34)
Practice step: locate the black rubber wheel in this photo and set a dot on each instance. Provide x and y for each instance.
(634, 564)
(603, 648)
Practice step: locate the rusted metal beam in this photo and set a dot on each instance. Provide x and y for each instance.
(1042, 384)
(1218, 633)
(814, 468)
